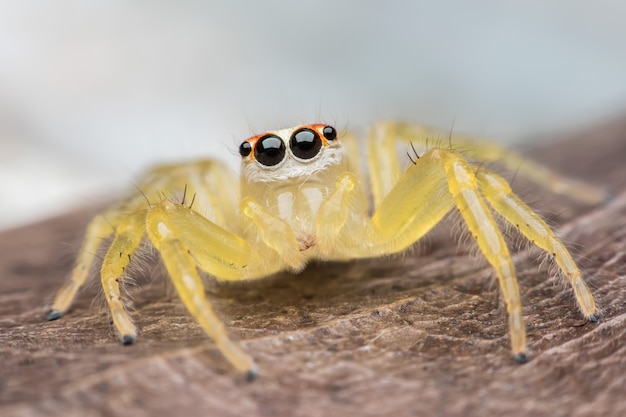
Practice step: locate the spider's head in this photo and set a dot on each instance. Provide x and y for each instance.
(290, 172)
(291, 156)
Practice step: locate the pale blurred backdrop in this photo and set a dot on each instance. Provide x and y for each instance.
(91, 92)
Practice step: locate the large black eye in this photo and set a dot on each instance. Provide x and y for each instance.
(330, 133)
(269, 150)
(245, 148)
(305, 143)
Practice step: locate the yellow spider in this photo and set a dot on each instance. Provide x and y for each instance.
(302, 197)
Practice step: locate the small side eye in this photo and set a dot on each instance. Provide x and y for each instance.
(329, 133)
(305, 143)
(269, 150)
(245, 148)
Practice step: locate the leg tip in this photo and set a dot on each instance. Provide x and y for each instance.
(521, 358)
(54, 315)
(252, 374)
(127, 339)
(594, 318)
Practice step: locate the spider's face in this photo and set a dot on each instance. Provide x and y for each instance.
(290, 154)
(290, 172)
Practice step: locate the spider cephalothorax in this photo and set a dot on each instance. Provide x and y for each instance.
(301, 199)
(287, 176)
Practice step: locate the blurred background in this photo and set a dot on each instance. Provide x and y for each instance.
(93, 92)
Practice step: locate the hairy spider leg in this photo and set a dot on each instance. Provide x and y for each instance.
(126, 223)
(128, 235)
(499, 195)
(478, 150)
(383, 163)
(417, 204)
(100, 228)
(206, 185)
(186, 241)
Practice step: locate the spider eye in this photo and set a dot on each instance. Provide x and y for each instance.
(245, 148)
(269, 150)
(305, 143)
(330, 133)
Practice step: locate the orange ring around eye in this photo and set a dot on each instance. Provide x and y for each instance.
(319, 128)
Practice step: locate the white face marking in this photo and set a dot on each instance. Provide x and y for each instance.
(292, 167)
(314, 197)
(285, 204)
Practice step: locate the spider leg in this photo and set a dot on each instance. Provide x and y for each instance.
(354, 151)
(382, 155)
(101, 227)
(499, 195)
(420, 201)
(129, 233)
(490, 151)
(483, 227)
(213, 249)
(382, 160)
(417, 203)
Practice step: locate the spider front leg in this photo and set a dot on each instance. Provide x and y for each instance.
(188, 241)
(482, 226)
(436, 183)
(470, 191)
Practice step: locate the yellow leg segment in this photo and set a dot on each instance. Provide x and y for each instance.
(414, 206)
(478, 150)
(481, 224)
(214, 249)
(421, 199)
(353, 146)
(207, 183)
(182, 270)
(128, 235)
(153, 186)
(499, 194)
(382, 160)
(486, 151)
(99, 228)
